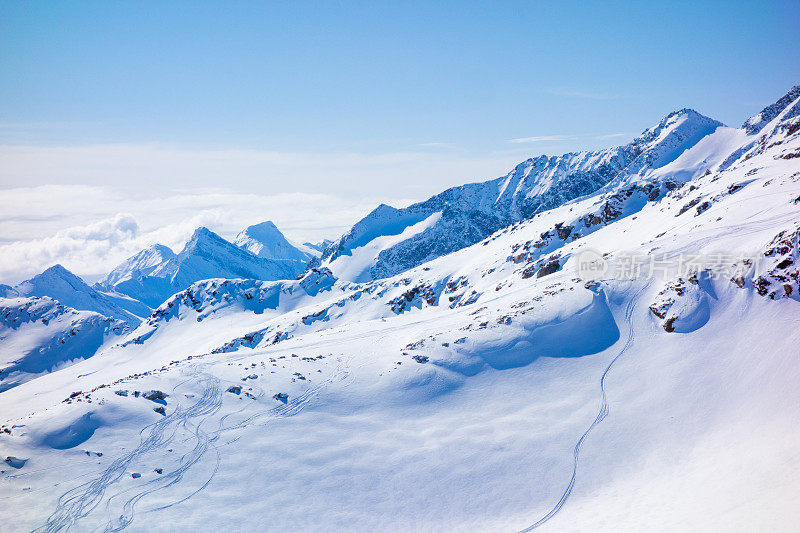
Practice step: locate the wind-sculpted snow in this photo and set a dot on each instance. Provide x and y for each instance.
(72, 434)
(682, 305)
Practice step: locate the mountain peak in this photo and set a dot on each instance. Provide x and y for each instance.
(140, 264)
(57, 269)
(266, 229)
(688, 117)
(201, 238)
(62, 285)
(201, 233)
(267, 242)
(60, 272)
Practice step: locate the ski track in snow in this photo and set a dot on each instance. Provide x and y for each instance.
(601, 415)
(80, 501)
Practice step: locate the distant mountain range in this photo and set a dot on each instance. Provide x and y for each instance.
(154, 274)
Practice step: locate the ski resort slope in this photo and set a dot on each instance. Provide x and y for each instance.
(506, 386)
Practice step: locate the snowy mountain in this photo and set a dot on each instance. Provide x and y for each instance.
(140, 265)
(461, 216)
(60, 284)
(266, 241)
(40, 335)
(623, 353)
(154, 274)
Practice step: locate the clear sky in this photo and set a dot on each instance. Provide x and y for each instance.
(347, 103)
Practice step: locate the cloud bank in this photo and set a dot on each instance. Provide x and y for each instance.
(104, 227)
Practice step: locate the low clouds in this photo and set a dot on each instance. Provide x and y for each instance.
(611, 136)
(84, 246)
(104, 227)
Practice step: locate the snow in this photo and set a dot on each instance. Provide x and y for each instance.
(480, 389)
(40, 335)
(59, 283)
(153, 275)
(354, 264)
(266, 241)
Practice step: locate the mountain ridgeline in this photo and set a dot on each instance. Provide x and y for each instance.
(471, 212)
(155, 274)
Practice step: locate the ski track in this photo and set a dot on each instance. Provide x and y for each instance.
(80, 501)
(601, 415)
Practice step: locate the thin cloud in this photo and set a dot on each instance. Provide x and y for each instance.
(436, 145)
(151, 167)
(610, 136)
(541, 138)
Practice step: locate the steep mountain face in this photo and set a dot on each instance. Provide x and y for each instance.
(60, 284)
(267, 242)
(471, 212)
(39, 335)
(155, 274)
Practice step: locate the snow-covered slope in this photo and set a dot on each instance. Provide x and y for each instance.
(60, 284)
(154, 274)
(39, 335)
(266, 241)
(506, 386)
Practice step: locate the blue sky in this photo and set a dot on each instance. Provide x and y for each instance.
(374, 76)
(175, 114)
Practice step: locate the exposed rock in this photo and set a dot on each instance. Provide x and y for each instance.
(154, 396)
(549, 268)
